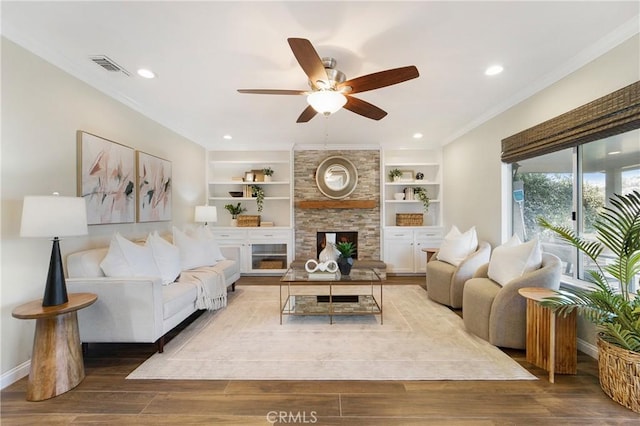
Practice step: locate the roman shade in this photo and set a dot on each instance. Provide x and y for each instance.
(615, 113)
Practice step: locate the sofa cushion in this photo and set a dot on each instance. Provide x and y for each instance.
(513, 259)
(127, 259)
(456, 246)
(194, 252)
(202, 233)
(176, 296)
(166, 256)
(86, 263)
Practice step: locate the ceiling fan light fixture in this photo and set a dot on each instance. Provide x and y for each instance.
(326, 101)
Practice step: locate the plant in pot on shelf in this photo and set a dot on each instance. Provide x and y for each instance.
(394, 174)
(258, 192)
(235, 211)
(421, 194)
(268, 172)
(616, 314)
(345, 261)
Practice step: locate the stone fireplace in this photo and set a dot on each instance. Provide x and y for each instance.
(310, 221)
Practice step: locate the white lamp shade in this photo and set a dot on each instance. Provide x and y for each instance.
(326, 101)
(206, 214)
(53, 216)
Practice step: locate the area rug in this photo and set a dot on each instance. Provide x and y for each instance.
(419, 340)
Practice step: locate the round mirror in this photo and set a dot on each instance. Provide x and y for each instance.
(336, 177)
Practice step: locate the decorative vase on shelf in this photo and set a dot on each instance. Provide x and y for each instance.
(329, 252)
(345, 264)
(267, 178)
(234, 222)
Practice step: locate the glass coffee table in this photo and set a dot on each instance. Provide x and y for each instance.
(302, 293)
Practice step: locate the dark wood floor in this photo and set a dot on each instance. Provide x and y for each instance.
(106, 397)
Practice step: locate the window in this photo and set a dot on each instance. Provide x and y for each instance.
(570, 187)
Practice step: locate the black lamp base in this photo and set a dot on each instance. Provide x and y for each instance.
(55, 292)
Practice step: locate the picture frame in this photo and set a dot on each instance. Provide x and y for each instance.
(406, 176)
(248, 176)
(154, 186)
(258, 175)
(106, 179)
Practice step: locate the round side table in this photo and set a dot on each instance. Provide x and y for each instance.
(56, 362)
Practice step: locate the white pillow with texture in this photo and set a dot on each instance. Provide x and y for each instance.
(513, 259)
(166, 257)
(203, 233)
(194, 253)
(127, 259)
(456, 246)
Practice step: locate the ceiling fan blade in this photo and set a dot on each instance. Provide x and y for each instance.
(364, 108)
(380, 79)
(308, 59)
(307, 115)
(273, 92)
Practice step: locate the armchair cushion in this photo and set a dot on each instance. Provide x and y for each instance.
(513, 259)
(456, 246)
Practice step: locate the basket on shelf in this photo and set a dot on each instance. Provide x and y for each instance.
(409, 219)
(271, 264)
(248, 220)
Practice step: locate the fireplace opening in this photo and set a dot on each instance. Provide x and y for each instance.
(341, 237)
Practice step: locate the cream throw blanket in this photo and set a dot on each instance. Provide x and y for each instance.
(211, 287)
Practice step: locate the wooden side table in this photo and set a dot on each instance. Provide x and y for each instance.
(551, 338)
(56, 362)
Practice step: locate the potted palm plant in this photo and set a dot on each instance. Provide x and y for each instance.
(395, 174)
(345, 260)
(616, 314)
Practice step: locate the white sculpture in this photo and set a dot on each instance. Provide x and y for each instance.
(329, 252)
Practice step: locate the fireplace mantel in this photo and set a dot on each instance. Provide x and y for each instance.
(336, 204)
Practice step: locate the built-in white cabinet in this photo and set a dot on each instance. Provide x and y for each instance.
(262, 251)
(403, 248)
(402, 245)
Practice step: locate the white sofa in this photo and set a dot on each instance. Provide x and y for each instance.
(137, 309)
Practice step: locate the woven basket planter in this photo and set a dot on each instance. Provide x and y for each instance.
(619, 371)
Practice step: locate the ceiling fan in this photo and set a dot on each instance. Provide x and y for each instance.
(329, 91)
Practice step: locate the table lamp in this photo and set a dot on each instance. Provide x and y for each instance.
(206, 214)
(54, 217)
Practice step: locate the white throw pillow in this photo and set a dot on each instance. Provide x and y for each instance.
(456, 246)
(203, 233)
(193, 252)
(127, 259)
(513, 259)
(166, 257)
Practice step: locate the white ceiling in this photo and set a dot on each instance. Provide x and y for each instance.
(204, 51)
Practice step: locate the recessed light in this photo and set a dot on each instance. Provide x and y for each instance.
(227, 137)
(417, 135)
(494, 70)
(145, 73)
(613, 152)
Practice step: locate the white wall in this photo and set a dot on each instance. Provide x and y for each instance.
(473, 172)
(42, 108)
(471, 164)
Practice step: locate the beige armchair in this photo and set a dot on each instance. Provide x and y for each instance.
(499, 314)
(445, 281)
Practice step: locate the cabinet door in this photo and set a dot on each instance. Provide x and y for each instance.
(399, 255)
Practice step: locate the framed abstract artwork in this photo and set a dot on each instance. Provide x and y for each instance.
(154, 188)
(106, 179)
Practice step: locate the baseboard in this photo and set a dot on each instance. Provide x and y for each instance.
(588, 348)
(15, 374)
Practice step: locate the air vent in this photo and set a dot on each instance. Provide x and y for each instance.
(108, 64)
